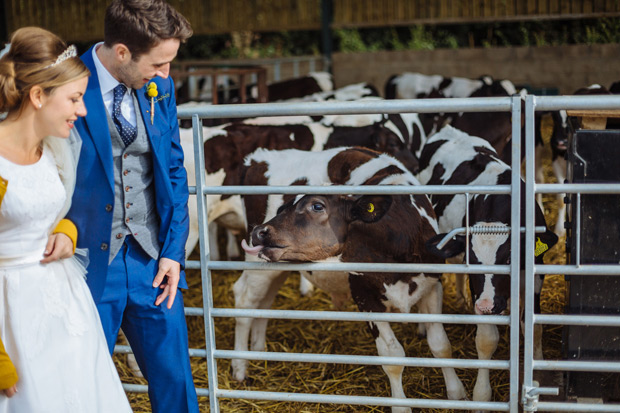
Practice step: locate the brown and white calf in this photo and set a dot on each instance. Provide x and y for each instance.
(226, 146)
(347, 229)
(451, 157)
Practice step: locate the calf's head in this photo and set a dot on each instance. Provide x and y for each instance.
(315, 227)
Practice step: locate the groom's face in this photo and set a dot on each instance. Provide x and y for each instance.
(156, 62)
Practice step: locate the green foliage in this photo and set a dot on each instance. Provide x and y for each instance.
(418, 37)
(349, 41)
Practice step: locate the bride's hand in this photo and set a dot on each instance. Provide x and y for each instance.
(10, 392)
(58, 246)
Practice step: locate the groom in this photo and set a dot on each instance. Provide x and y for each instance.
(130, 200)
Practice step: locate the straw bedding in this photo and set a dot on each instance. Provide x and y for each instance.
(334, 337)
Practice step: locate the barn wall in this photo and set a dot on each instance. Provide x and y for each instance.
(566, 68)
(82, 21)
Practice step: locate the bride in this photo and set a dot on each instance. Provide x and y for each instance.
(48, 321)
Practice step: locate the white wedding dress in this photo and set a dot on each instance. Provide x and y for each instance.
(48, 320)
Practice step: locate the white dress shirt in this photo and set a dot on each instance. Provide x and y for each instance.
(107, 83)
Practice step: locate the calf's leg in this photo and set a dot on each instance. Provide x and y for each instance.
(487, 338)
(438, 341)
(254, 289)
(388, 345)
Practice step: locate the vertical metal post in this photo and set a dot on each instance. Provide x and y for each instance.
(326, 33)
(528, 341)
(515, 245)
(276, 71)
(207, 291)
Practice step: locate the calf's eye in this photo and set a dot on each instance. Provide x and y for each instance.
(317, 207)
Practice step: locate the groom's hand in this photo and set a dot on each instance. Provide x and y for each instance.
(172, 270)
(58, 246)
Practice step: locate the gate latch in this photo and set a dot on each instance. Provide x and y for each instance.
(531, 393)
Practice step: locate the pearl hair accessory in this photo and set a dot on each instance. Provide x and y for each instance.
(70, 52)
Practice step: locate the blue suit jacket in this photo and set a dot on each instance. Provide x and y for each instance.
(93, 198)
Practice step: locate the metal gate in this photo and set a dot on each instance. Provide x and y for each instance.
(527, 395)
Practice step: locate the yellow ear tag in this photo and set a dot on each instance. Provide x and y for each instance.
(371, 208)
(540, 247)
(3, 186)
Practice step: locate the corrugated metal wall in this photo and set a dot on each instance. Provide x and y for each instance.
(82, 20)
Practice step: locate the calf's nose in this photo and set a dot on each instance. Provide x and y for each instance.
(259, 234)
(484, 306)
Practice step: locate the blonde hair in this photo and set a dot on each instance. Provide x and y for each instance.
(30, 62)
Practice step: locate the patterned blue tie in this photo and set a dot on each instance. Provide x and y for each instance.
(125, 129)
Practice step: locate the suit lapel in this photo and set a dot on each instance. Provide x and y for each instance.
(96, 120)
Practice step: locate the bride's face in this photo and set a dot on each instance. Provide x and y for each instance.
(61, 108)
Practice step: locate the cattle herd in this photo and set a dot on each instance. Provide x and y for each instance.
(404, 149)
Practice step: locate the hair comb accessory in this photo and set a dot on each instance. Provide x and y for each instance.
(70, 52)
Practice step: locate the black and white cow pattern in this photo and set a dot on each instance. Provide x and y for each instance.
(451, 157)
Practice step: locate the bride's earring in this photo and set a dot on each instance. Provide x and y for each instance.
(40, 105)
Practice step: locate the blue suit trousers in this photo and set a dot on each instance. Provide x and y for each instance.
(157, 335)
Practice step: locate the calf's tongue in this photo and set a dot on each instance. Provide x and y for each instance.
(250, 250)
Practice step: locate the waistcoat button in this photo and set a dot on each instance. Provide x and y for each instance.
(119, 236)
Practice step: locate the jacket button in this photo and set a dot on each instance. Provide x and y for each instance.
(119, 236)
(108, 207)
(104, 246)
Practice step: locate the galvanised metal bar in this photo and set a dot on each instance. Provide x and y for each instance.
(356, 107)
(361, 317)
(577, 407)
(587, 365)
(362, 360)
(515, 251)
(359, 190)
(577, 102)
(422, 189)
(578, 320)
(359, 266)
(207, 293)
(363, 400)
(603, 269)
(528, 329)
(578, 188)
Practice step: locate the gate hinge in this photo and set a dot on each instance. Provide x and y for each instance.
(530, 396)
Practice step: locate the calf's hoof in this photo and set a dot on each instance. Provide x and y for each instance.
(239, 368)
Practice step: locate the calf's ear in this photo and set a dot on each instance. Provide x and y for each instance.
(453, 247)
(544, 242)
(370, 208)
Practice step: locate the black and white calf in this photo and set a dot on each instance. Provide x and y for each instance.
(452, 157)
(342, 228)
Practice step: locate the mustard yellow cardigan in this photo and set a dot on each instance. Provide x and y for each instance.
(8, 374)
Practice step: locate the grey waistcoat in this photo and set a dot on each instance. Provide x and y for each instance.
(135, 212)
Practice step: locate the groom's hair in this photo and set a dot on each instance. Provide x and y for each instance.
(143, 24)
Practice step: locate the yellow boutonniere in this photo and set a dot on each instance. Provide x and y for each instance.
(151, 91)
